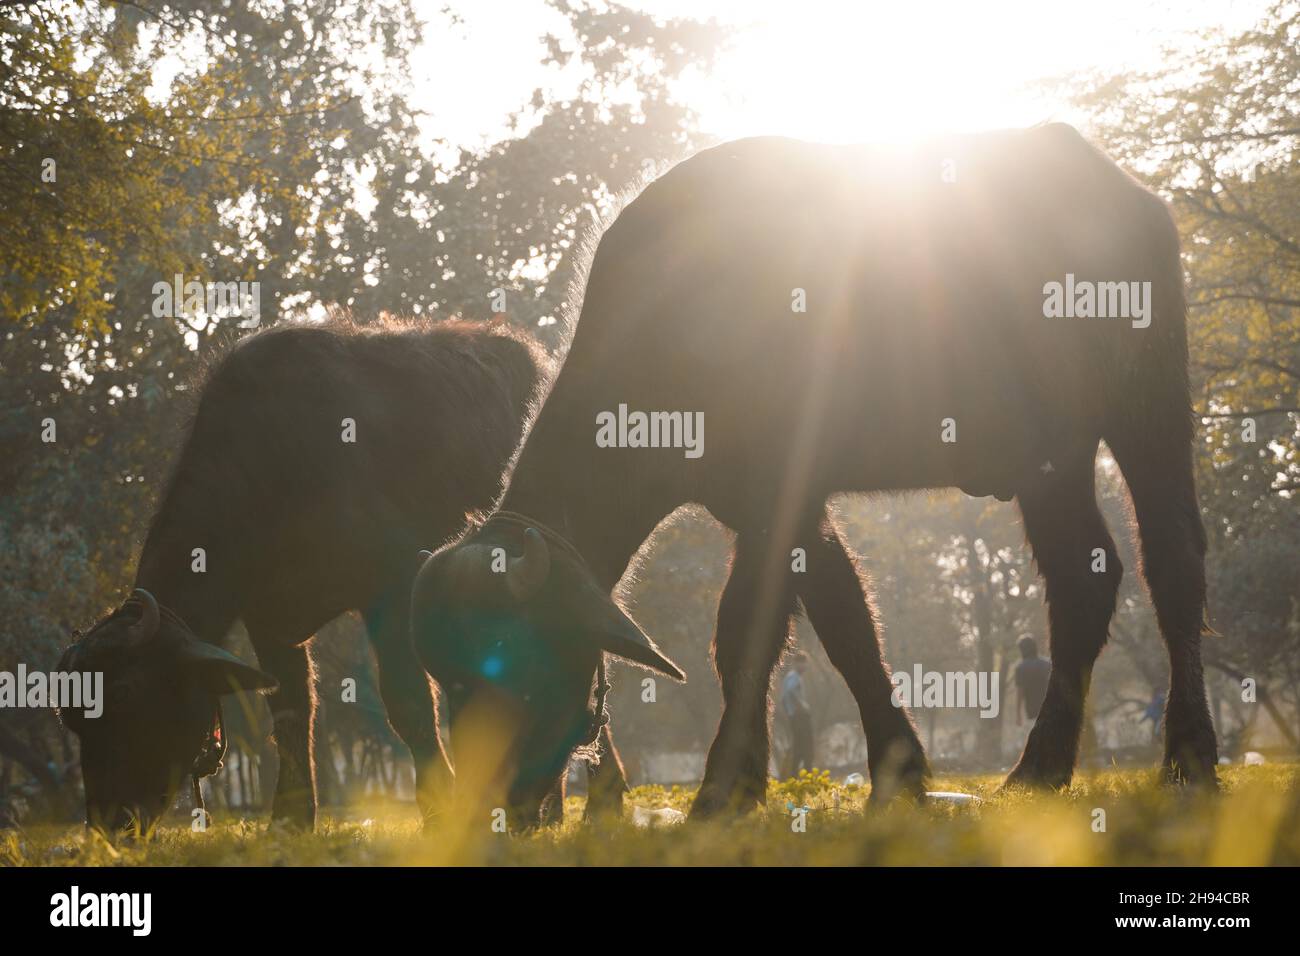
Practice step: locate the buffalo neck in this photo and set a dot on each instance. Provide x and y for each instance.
(199, 588)
(605, 504)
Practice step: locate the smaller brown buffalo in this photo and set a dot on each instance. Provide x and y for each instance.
(320, 460)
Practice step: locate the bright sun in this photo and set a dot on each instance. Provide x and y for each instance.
(828, 70)
(866, 71)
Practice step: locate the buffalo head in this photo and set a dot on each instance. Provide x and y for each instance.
(513, 626)
(161, 685)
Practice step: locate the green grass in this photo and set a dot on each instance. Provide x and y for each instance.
(1255, 820)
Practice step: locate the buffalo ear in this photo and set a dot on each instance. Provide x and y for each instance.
(618, 634)
(220, 672)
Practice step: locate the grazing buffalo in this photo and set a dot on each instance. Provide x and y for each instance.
(321, 458)
(773, 322)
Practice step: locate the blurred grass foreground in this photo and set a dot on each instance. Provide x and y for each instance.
(1107, 818)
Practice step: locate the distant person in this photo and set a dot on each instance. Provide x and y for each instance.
(1031, 676)
(1155, 712)
(794, 706)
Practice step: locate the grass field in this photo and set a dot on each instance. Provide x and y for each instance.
(1254, 821)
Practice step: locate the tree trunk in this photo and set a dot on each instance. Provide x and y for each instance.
(988, 735)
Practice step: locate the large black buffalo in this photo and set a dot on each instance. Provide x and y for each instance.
(320, 460)
(772, 322)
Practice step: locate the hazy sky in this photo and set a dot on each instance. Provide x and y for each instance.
(847, 71)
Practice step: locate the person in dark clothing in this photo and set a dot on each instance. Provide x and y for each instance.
(794, 705)
(1155, 712)
(1031, 676)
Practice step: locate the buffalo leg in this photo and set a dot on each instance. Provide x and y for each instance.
(1065, 530)
(1158, 471)
(293, 716)
(551, 812)
(754, 618)
(606, 781)
(838, 609)
(410, 703)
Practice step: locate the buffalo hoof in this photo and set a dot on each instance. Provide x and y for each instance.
(1048, 760)
(715, 802)
(1177, 774)
(1041, 768)
(1036, 772)
(1191, 750)
(1022, 778)
(602, 807)
(904, 772)
(1193, 764)
(606, 786)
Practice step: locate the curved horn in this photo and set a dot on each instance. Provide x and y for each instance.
(526, 575)
(147, 626)
(424, 556)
